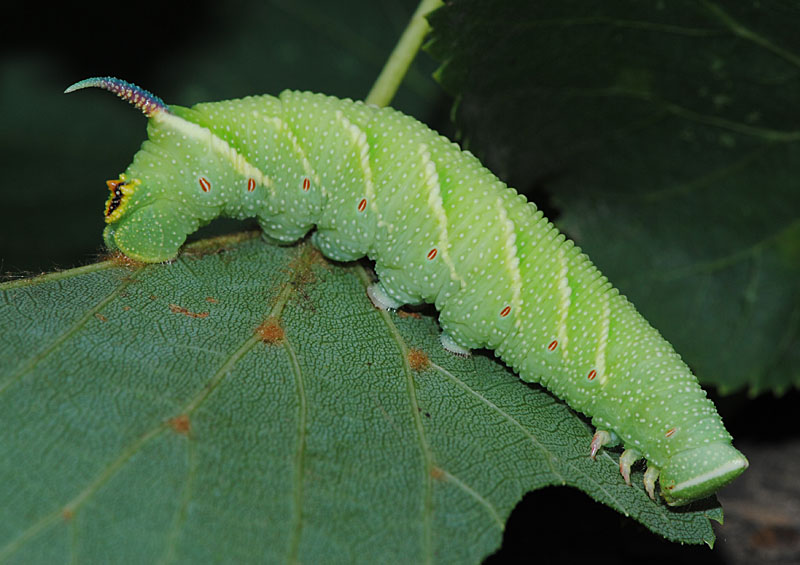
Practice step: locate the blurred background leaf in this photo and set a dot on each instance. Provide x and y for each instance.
(664, 137)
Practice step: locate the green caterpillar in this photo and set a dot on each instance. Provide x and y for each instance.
(440, 228)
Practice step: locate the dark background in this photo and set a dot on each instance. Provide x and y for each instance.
(56, 152)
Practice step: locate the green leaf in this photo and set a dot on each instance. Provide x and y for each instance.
(247, 403)
(667, 135)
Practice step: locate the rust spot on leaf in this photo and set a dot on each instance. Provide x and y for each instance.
(418, 359)
(67, 514)
(437, 473)
(181, 310)
(100, 317)
(181, 424)
(211, 300)
(270, 331)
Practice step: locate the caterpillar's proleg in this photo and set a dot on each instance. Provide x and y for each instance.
(626, 461)
(600, 439)
(380, 298)
(650, 478)
(450, 345)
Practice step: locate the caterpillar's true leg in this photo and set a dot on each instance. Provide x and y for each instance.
(450, 345)
(626, 460)
(601, 438)
(650, 477)
(380, 298)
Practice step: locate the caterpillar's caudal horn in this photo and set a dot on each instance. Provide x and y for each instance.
(145, 101)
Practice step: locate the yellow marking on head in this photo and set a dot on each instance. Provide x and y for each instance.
(121, 191)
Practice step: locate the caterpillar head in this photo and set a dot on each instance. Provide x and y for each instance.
(143, 228)
(697, 473)
(139, 223)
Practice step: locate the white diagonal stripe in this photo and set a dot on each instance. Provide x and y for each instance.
(511, 261)
(437, 207)
(564, 292)
(217, 144)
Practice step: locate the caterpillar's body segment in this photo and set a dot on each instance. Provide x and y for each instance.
(441, 229)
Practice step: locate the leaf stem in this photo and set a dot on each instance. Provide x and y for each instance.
(404, 52)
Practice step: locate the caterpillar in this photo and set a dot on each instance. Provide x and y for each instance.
(441, 229)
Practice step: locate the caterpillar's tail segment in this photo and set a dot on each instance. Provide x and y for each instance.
(700, 472)
(690, 475)
(147, 102)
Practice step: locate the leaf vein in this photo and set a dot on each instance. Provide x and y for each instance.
(76, 326)
(550, 456)
(424, 446)
(740, 30)
(111, 469)
(299, 459)
(505, 415)
(183, 508)
(476, 495)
